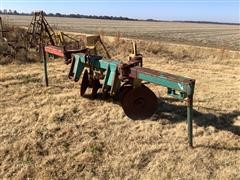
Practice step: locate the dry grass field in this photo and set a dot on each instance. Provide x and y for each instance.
(53, 133)
(209, 35)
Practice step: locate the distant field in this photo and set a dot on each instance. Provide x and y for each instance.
(210, 35)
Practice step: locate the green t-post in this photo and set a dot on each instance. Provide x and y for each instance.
(45, 65)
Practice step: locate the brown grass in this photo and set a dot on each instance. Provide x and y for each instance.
(52, 133)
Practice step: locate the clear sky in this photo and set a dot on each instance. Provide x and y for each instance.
(199, 10)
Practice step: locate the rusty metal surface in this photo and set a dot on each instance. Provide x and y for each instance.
(136, 70)
(37, 28)
(123, 90)
(139, 103)
(95, 86)
(85, 83)
(68, 54)
(124, 69)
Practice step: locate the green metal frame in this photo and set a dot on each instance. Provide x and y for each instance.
(108, 66)
(184, 86)
(177, 86)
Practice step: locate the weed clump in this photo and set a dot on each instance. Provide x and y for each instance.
(13, 47)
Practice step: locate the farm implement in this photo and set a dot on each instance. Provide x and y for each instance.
(125, 81)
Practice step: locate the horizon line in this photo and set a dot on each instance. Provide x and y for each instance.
(70, 15)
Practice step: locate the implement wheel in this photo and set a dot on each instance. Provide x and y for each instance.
(123, 90)
(139, 103)
(85, 83)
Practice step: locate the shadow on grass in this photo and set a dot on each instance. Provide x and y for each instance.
(176, 113)
(218, 147)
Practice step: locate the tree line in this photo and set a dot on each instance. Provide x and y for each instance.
(14, 12)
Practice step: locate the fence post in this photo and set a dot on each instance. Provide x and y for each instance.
(44, 58)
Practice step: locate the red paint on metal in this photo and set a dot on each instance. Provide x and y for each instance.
(58, 51)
